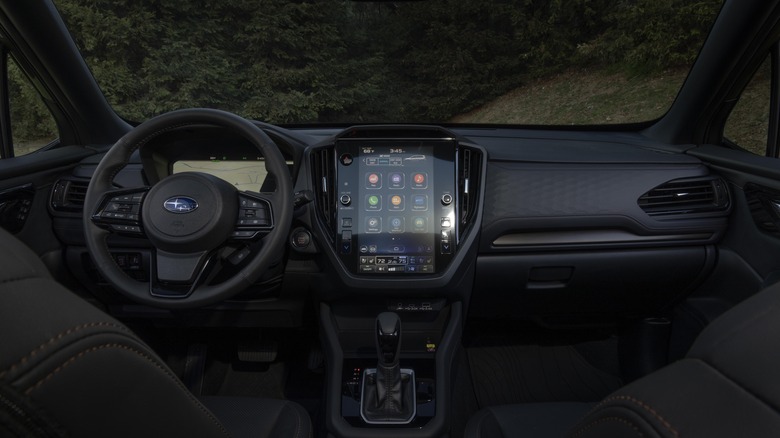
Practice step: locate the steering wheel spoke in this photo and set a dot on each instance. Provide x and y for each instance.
(255, 216)
(119, 211)
(177, 275)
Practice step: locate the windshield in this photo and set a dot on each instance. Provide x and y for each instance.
(444, 61)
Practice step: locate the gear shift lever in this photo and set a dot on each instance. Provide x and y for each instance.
(388, 338)
(388, 391)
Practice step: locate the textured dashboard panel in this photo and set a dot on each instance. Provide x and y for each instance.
(547, 196)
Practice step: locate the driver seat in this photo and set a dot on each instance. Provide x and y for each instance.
(68, 369)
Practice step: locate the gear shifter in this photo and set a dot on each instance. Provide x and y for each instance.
(388, 338)
(388, 391)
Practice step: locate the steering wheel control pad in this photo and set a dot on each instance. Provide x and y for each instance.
(190, 212)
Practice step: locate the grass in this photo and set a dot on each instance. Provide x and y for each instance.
(582, 97)
(24, 147)
(594, 97)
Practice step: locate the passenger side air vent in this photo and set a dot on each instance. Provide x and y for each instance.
(469, 170)
(69, 195)
(764, 205)
(323, 165)
(686, 196)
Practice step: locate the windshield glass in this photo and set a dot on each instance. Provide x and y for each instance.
(444, 61)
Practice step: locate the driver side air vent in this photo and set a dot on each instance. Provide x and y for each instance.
(69, 195)
(324, 175)
(686, 196)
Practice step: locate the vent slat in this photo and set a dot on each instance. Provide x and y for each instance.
(69, 195)
(324, 179)
(469, 166)
(684, 197)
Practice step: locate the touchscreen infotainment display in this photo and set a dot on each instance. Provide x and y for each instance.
(396, 213)
(396, 206)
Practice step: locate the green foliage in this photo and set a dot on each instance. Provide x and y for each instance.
(338, 60)
(30, 118)
(653, 35)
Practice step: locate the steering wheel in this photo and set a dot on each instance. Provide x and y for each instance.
(210, 241)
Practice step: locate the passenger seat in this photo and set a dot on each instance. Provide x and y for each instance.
(728, 385)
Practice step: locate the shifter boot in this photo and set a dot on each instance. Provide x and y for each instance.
(388, 395)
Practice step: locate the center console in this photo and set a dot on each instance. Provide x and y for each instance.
(417, 400)
(397, 215)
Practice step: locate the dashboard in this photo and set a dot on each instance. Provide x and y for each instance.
(530, 224)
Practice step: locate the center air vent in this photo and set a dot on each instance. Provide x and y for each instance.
(686, 196)
(469, 166)
(323, 174)
(69, 195)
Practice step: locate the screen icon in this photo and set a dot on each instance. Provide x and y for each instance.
(396, 203)
(420, 180)
(373, 180)
(396, 180)
(396, 224)
(373, 202)
(420, 224)
(373, 225)
(419, 202)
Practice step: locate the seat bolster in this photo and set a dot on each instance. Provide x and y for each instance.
(249, 417)
(533, 420)
(483, 424)
(743, 345)
(18, 260)
(687, 398)
(91, 373)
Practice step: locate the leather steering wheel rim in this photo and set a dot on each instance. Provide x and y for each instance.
(119, 155)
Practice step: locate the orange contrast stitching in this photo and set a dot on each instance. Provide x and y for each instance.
(51, 341)
(645, 407)
(142, 355)
(593, 424)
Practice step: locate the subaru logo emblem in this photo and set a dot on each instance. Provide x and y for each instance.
(180, 204)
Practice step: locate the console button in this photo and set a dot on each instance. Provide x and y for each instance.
(345, 200)
(446, 199)
(346, 242)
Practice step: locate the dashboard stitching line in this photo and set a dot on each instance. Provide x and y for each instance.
(15, 279)
(141, 354)
(56, 338)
